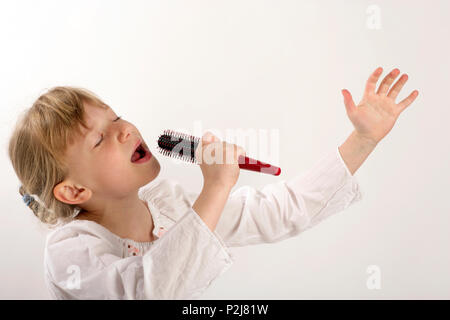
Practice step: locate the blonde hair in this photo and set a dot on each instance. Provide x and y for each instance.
(38, 144)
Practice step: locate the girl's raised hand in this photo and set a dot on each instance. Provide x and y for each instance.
(377, 112)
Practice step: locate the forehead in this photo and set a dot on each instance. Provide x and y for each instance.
(92, 113)
(93, 110)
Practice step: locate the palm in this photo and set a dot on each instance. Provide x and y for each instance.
(377, 112)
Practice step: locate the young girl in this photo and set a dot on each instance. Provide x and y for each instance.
(121, 232)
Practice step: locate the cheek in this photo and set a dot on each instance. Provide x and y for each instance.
(112, 167)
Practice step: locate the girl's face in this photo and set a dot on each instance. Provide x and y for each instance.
(101, 158)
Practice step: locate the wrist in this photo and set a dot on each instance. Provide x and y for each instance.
(363, 140)
(355, 150)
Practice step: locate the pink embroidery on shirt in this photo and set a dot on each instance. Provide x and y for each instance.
(133, 250)
(161, 232)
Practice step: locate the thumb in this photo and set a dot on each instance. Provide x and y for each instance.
(348, 101)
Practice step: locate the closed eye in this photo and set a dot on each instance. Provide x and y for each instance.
(101, 139)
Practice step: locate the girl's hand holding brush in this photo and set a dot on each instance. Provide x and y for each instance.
(218, 161)
(220, 174)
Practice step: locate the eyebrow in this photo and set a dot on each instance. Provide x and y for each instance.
(91, 129)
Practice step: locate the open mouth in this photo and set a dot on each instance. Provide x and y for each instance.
(141, 154)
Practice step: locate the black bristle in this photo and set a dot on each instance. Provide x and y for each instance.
(179, 145)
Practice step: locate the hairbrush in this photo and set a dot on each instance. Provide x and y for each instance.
(182, 146)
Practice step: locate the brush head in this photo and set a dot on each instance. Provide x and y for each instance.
(178, 145)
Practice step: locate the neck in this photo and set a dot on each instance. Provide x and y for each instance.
(126, 217)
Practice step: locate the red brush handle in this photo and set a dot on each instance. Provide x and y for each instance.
(258, 166)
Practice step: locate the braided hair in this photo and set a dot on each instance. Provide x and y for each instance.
(30, 201)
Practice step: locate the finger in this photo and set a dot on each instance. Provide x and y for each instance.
(407, 101)
(207, 136)
(387, 81)
(234, 152)
(206, 139)
(395, 90)
(215, 138)
(348, 101)
(372, 81)
(240, 151)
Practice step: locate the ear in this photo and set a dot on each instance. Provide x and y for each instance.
(70, 193)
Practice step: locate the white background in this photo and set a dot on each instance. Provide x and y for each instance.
(264, 65)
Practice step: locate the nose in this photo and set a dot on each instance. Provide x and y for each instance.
(124, 133)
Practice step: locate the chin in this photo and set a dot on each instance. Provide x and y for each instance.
(153, 172)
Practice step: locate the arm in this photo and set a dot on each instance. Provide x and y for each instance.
(219, 177)
(355, 150)
(210, 203)
(286, 208)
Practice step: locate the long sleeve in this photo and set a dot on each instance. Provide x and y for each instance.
(179, 265)
(285, 209)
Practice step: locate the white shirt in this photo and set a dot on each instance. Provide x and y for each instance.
(84, 260)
